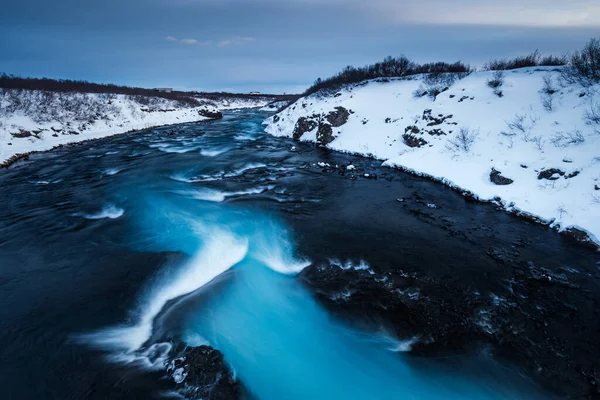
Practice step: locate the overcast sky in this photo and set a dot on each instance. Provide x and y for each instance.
(272, 45)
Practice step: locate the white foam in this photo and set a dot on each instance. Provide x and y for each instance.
(217, 196)
(221, 251)
(213, 153)
(245, 168)
(110, 212)
(112, 171)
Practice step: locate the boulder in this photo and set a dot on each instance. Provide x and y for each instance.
(497, 178)
(550, 174)
(338, 117)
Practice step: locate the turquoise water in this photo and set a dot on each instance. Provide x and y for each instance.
(278, 340)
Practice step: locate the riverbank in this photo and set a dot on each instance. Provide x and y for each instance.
(531, 152)
(32, 120)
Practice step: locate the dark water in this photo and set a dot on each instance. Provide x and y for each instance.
(108, 246)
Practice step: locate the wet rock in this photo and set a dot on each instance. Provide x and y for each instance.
(550, 174)
(338, 117)
(211, 114)
(497, 178)
(303, 125)
(201, 373)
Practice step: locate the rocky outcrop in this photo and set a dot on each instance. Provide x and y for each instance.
(444, 317)
(303, 125)
(324, 135)
(325, 124)
(338, 117)
(497, 178)
(201, 373)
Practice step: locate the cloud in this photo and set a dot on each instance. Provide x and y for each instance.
(236, 40)
(189, 41)
(171, 39)
(534, 13)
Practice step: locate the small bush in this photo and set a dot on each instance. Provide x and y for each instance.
(463, 141)
(584, 65)
(496, 80)
(547, 93)
(592, 115)
(564, 139)
(531, 60)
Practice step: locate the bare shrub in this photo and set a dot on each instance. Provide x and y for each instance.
(531, 60)
(547, 93)
(539, 142)
(496, 80)
(584, 65)
(564, 139)
(518, 123)
(463, 141)
(592, 115)
(523, 123)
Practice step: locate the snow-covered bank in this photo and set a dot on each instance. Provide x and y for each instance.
(234, 103)
(32, 120)
(532, 143)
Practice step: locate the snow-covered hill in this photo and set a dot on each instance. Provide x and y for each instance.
(532, 143)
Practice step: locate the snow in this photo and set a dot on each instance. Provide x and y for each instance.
(235, 103)
(514, 134)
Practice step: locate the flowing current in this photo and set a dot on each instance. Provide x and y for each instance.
(199, 232)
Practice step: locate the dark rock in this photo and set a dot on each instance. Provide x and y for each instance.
(524, 166)
(413, 141)
(412, 129)
(211, 114)
(201, 373)
(572, 174)
(21, 134)
(276, 118)
(549, 174)
(436, 132)
(324, 135)
(433, 121)
(596, 187)
(497, 178)
(303, 125)
(452, 96)
(388, 120)
(338, 117)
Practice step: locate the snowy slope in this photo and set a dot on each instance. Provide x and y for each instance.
(37, 120)
(514, 134)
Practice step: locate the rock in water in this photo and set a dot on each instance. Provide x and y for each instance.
(201, 373)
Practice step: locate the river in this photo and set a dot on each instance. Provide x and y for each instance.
(112, 248)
